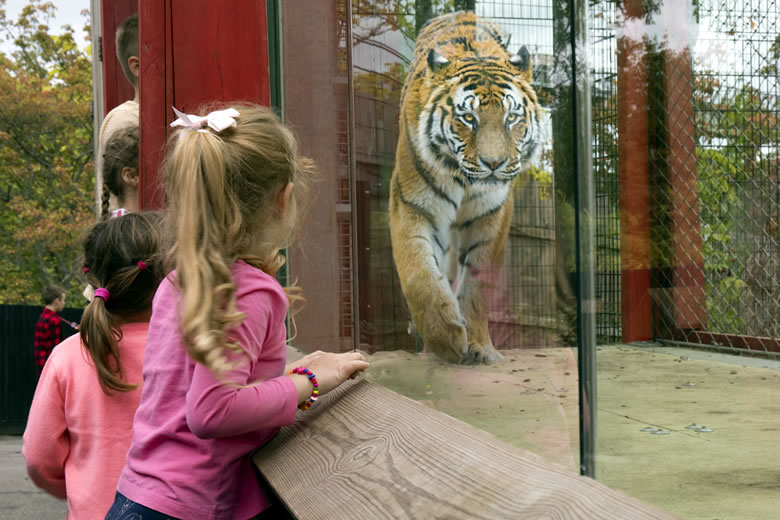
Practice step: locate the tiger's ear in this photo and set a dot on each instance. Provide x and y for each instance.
(522, 60)
(506, 43)
(436, 61)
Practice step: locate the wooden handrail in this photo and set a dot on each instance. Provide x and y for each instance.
(366, 452)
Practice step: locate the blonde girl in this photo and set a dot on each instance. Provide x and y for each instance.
(80, 422)
(215, 382)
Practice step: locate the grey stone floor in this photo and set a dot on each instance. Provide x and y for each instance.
(19, 498)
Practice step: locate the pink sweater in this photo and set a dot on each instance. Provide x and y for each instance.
(193, 435)
(77, 436)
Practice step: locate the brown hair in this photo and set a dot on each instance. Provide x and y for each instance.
(127, 45)
(112, 252)
(121, 152)
(222, 190)
(51, 293)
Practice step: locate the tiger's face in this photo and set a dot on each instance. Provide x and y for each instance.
(489, 122)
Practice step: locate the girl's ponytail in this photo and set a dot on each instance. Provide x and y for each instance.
(205, 217)
(100, 335)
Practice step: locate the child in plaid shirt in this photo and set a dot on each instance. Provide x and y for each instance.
(48, 331)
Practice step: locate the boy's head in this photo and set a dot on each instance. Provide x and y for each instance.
(127, 48)
(54, 297)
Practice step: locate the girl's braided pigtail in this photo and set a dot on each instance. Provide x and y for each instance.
(104, 201)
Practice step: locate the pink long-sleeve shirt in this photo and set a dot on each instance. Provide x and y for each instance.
(193, 434)
(77, 437)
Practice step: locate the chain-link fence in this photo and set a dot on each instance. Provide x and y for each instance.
(714, 165)
(603, 66)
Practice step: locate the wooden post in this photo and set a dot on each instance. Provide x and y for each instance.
(219, 53)
(156, 94)
(634, 183)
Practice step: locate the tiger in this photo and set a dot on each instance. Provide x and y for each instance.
(469, 126)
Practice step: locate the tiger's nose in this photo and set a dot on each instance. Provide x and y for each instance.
(493, 164)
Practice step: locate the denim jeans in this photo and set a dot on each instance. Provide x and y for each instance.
(125, 509)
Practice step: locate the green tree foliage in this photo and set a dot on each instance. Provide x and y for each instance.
(46, 155)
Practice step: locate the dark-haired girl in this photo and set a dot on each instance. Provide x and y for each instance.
(80, 422)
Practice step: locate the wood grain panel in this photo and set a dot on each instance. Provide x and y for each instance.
(366, 452)
(156, 92)
(220, 52)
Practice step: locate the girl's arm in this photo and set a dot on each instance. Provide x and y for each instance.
(215, 409)
(46, 440)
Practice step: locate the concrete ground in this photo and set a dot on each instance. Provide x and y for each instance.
(531, 400)
(19, 498)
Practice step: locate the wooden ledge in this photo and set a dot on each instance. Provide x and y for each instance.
(366, 452)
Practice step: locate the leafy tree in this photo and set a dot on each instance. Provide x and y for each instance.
(46, 154)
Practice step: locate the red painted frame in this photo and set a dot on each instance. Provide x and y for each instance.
(195, 52)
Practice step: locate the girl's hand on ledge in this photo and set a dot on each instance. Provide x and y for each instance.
(330, 369)
(304, 361)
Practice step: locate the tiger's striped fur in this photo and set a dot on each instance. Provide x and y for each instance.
(469, 125)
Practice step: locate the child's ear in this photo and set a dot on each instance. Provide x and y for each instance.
(135, 65)
(130, 176)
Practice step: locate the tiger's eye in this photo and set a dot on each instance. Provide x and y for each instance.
(511, 118)
(468, 118)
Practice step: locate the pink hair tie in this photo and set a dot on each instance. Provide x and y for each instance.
(102, 293)
(86, 269)
(141, 265)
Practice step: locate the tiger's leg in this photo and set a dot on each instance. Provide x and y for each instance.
(453, 270)
(418, 251)
(483, 235)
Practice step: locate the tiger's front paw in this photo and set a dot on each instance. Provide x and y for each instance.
(444, 332)
(476, 354)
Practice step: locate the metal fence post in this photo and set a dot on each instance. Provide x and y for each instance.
(584, 212)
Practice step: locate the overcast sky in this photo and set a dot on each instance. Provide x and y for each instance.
(68, 12)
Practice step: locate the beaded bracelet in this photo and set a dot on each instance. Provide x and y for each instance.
(308, 373)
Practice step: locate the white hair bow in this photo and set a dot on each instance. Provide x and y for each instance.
(217, 120)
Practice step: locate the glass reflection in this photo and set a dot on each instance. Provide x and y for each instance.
(682, 422)
(679, 130)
